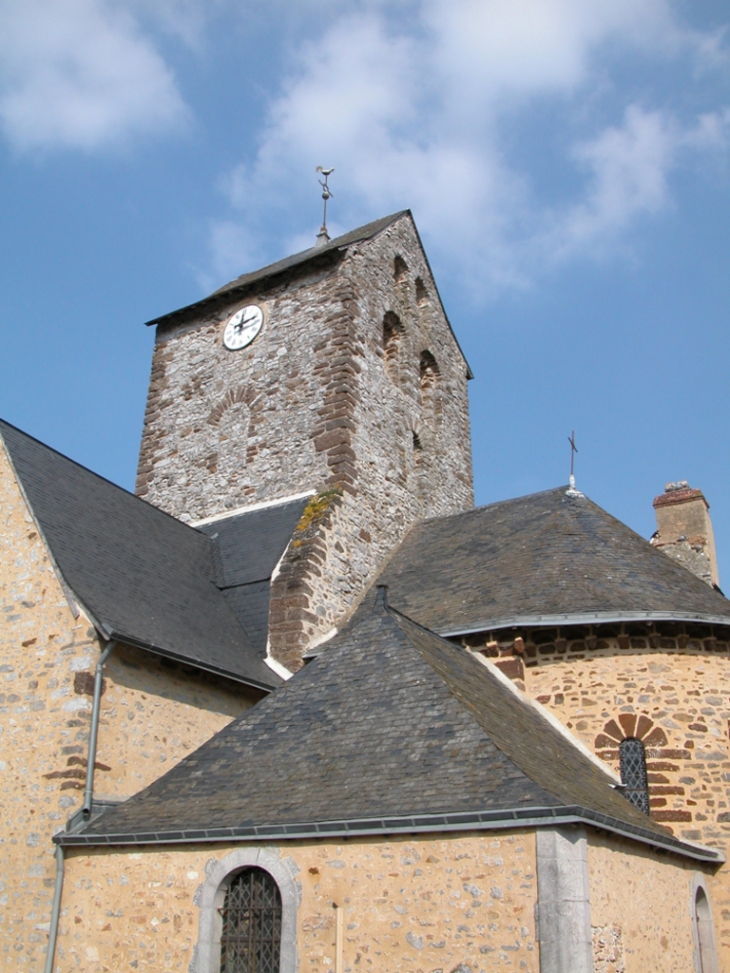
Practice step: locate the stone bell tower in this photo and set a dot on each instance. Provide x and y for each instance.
(335, 372)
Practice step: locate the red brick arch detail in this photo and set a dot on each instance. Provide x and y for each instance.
(232, 397)
(631, 725)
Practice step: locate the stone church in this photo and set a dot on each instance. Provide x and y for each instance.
(298, 705)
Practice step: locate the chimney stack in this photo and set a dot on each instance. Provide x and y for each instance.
(684, 530)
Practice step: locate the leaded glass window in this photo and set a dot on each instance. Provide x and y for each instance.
(633, 773)
(251, 930)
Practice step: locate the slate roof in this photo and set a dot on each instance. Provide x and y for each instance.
(305, 260)
(391, 727)
(248, 546)
(545, 559)
(330, 250)
(144, 577)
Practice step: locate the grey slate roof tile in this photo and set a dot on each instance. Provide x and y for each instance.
(314, 257)
(389, 721)
(145, 577)
(248, 546)
(250, 542)
(250, 604)
(297, 260)
(540, 559)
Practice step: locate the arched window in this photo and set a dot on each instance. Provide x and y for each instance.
(429, 375)
(633, 772)
(705, 953)
(248, 915)
(393, 332)
(400, 269)
(251, 924)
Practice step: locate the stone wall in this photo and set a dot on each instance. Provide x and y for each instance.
(461, 902)
(152, 715)
(448, 902)
(355, 388)
(641, 908)
(667, 684)
(224, 429)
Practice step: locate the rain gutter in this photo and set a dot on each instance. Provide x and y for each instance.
(501, 819)
(584, 618)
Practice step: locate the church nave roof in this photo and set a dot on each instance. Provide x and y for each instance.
(144, 577)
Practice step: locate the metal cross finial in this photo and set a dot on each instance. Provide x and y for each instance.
(323, 235)
(573, 451)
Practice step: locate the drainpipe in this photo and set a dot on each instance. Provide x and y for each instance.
(94, 731)
(55, 912)
(85, 807)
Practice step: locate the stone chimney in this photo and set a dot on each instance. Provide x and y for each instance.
(684, 530)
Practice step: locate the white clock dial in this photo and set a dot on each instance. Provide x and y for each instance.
(242, 327)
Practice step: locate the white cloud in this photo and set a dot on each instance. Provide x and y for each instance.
(629, 169)
(629, 166)
(80, 74)
(528, 46)
(411, 101)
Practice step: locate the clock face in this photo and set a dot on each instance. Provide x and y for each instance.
(242, 327)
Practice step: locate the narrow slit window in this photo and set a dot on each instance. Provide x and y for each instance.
(632, 758)
(417, 450)
(430, 400)
(251, 924)
(393, 332)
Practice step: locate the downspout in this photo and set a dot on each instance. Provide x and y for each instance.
(94, 731)
(85, 807)
(55, 912)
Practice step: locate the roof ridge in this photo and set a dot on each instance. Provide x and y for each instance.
(524, 699)
(365, 232)
(141, 575)
(497, 503)
(550, 725)
(98, 476)
(332, 244)
(384, 671)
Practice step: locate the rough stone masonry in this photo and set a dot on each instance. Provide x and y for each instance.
(354, 389)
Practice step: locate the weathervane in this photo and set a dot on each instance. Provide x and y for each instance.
(323, 236)
(573, 451)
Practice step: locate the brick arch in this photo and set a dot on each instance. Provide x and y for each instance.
(242, 394)
(630, 725)
(667, 795)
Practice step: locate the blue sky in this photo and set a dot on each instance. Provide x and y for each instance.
(566, 162)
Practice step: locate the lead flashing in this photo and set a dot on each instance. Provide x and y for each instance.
(537, 817)
(584, 618)
(185, 660)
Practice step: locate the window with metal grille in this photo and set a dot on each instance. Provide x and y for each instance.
(633, 773)
(251, 930)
